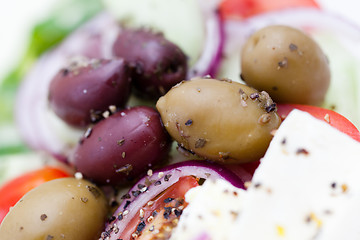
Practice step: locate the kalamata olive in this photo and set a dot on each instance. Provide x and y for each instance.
(123, 146)
(223, 121)
(158, 63)
(286, 63)
(66, 208)
(80, 93)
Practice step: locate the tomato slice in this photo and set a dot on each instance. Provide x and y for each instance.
(161, 213)
(246, 8)
(12, 191)
(333, 118)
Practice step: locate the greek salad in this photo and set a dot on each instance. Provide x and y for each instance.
(183, 119)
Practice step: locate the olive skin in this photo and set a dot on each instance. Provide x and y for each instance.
(66, 208)
(223, 121)
(123, 146)
(157, 63)
(80, 93)
(287, 64)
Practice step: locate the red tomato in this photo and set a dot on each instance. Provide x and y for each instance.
(333, 118)
(160, 211)
(12, 191)
(247, 8)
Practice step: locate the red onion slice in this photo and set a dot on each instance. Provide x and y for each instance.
(209, 61)
(157, 182)
(36, 124)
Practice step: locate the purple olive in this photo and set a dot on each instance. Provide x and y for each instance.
(123, 146)
(80, 93)
(158, 64)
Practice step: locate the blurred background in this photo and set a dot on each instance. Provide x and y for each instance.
(17, 19)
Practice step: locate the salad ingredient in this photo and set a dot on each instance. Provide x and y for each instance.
(157, 182)
(122, 147)
(38, 125)
(157, 63)
(13, 190)
(81, 92)
(222, 121)
(244, 171)
(155, 14)
(337, 37)
(13, 165)
(300, 190)
(65, 208)
(160, 217)
(303, 184)
(43, 36)
(211, 211)
(247, 8)
(212, 49)
(286, 63)
(333, 118)
(202, 43)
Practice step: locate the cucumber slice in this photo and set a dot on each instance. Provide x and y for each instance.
(13, 165)
(344, 92)
(181, 21)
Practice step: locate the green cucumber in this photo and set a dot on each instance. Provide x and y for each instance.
(343, 95)
(13, 165)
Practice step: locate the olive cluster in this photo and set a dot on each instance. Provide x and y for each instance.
(120, 142)
(217, 120)
(230, 122)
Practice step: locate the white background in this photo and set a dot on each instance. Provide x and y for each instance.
(18, 16)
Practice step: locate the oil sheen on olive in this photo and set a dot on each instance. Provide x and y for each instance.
(80, 93)
(223, 121)
(65, 208)
(158, 64)
(123, 146)
(286, 63)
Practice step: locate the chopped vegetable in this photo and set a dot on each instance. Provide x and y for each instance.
(333, 118)
(247, 8)
(147, 189)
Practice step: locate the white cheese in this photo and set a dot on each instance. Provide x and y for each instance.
(212, 209)
(304, 185)
(344, 224)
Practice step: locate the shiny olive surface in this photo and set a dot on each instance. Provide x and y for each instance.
(286, 63)
(219, 120)
(80, 93)
(123, 146)
(158, 64)
(66, 208)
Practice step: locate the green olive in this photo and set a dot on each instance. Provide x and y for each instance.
(286, 63)
(223, 121)
(66, 208)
